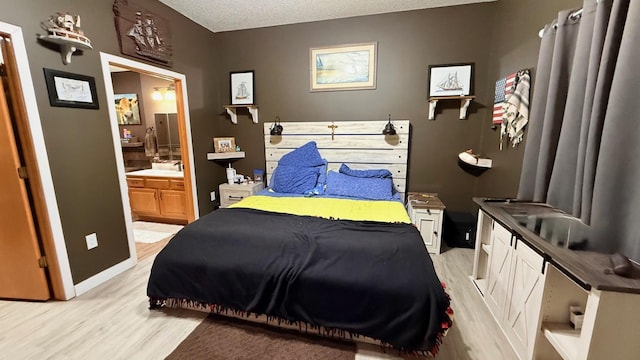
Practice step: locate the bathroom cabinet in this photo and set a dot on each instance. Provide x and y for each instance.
(157, 199)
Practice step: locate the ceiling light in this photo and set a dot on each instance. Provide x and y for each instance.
(170, 94)
(156, 95)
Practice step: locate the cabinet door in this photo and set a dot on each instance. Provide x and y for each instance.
(498, 271)
(522, 311)
(428, 222)
(173, 204)
(144, 201)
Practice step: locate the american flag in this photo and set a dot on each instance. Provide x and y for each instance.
(504, 87)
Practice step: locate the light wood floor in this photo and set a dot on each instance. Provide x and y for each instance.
(112, 321)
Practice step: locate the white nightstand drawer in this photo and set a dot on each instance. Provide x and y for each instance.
(230, 194)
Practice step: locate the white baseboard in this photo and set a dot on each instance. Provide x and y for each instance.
(104, 276)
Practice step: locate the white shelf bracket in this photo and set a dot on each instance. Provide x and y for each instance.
(464, 105)
(253, 110)
(254, 113)
(232, 113)
(432, 108)
(465, 101)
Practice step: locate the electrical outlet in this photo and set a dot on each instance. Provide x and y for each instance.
(92, 241)
(213, 196)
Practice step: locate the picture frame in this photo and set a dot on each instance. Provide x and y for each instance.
(242, 87)
(450, 80)
(343, 67)
(224, 144)
(71, 90)
(127, 109)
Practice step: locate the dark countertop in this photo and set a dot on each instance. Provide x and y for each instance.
(587, 268)
(425, 201)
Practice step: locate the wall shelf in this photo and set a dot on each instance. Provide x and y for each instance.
(231, 110)
(68, 45)
(226, 155)
(465, 101)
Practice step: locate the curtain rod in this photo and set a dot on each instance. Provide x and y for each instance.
(573, 16)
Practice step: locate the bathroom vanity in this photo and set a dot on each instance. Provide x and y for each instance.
(532, 262)
(157, 195)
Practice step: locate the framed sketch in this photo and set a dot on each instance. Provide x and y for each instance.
(71, 90)
(242, 87)
(450, 80)
(226, 144)
(127, 109)
(343, 67)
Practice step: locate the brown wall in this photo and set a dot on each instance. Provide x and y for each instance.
(79, 142)
(408, 43)
(498, 37)
(128, 82)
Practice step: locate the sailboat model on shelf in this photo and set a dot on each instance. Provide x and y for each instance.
(64, 29)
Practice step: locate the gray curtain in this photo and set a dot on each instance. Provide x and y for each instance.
(583, 148)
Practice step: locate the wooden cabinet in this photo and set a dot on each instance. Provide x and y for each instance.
(530, 294)
(426, 212)
(157, 199)
(511, 283)
(232, 193)
(499, 263)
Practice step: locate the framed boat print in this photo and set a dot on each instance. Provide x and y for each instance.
(343, 67)
(71, 90)
(242, 87)
(450, 80)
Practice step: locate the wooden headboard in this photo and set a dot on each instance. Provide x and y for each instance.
(359, 144)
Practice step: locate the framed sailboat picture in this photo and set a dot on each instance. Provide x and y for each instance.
(242, 87)
(450, 80)
(343, 67)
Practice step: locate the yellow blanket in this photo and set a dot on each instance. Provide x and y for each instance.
(342, 209)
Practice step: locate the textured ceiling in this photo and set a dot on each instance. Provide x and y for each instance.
(228, 15)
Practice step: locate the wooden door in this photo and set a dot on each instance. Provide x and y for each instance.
(144, 201)
(522, 313)
(428, 224)
(498, 271)
(173, 204)
(21, 276)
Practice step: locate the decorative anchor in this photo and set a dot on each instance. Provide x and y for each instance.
(332, 127)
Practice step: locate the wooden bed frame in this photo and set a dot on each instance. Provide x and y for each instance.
(359, 144)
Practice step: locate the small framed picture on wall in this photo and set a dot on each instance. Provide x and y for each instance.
(450, 80)
(242, 87)
(226, 144)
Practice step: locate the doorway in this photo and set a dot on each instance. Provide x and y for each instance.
(29, 130)
(177, 82)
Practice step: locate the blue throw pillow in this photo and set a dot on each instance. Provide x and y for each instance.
(372, 173)
(294, 179)
(306, 155)
(359, 187)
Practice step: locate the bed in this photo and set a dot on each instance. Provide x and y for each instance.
(326, 258)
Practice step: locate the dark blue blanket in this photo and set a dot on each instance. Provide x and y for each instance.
(368, 278)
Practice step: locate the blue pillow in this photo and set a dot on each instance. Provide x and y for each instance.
(305, 155)
(294, 179)
(372, 173)
(359, 187)
(322, 177)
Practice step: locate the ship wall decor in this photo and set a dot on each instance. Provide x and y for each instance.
(142, 33)
(64, 30)
(450, 80)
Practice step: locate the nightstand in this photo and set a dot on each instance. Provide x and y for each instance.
(232, 193)
(427, 213)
